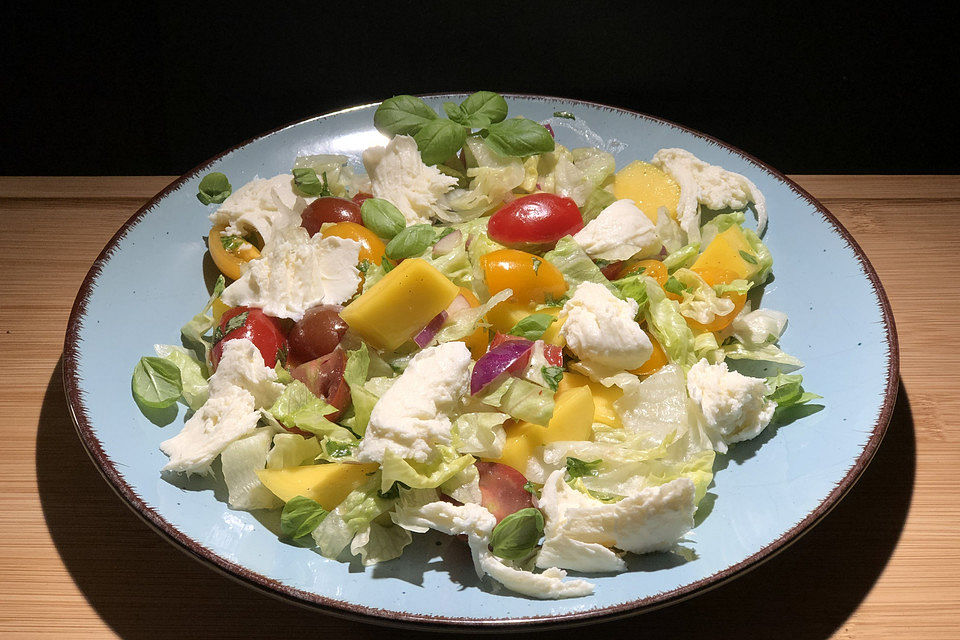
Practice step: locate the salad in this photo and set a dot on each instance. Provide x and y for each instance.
(484, 334)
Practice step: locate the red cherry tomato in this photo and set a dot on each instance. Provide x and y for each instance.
(537, 219)
(360, 197)
(501, 489)
(551, 352)
(324, 377)
(329, 209)
(262, 330)
(318, 333)
(612, 270)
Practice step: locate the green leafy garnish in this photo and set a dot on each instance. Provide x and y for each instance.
(214, 188)
(564, 114)
(674, 286)
(577, 468)
(235, 322)
(339, 449)
(532, 488)
(533, 326)
(518, 137)
(787, 390)
(156, 382)
(382, 217)
(393, 492)
(479, 110)
(517, 535)
(364, 265)
(550, 301)
(231, 243)
(300, 516)
(412, 241)
(402, 115)
(439, 139)
(748, 257)
(536, 264)
(552, 376)
(309, 183)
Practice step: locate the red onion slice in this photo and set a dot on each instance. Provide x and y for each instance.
(447, 243)
(497, 361)
(550, 130)
(428, 332)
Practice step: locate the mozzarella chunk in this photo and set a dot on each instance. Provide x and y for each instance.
(413, 415)
(709, 185)
(262, 205)
(549, 585)
(240, 387)
(399, 175)
(296, 272)
(733, 405)
(600, 328)
(620, 232)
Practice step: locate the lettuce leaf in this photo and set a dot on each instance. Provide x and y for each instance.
(298, 407)
(464, 485)
(462, 324)
(576, 266)
(292, 450)
(522, 400)
(669, 232)
(682, 257)
(355, 373)
(480, 433)
(422, 475)
(239, 463)
(719, 224)
(599, 200)
(377, 543)
(668, 326)
(764, 257)
(354, 514)
(700, 302)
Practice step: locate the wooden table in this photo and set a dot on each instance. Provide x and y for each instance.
(75, 561)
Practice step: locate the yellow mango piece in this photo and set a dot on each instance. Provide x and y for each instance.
(649, 187)
(402, 303)
(219, 308)
(506, 315)
(722, 263)
(519, 446)
(328, 484)
(603, 397)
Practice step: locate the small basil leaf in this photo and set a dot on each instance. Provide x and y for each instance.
(439, 139)
(309, 184)
(564, 114)
(382, 217)
(532, 488)
(393, 492)
(156, 382)
(214, 188)
(339, 449)
(300, 516)
(533, 326)
(553, 376)
(480, 109)
(402, 115)
(231, 243)
(577, 468)
(236, 322)
(518, 137)
(674, 286)
(412, 241)
(749, 258)
(517, 535)
(218, 288)
(454, 112)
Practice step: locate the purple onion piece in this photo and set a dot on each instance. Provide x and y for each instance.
(428, 332)
(496, 361)
(550, 129)
(447, 243)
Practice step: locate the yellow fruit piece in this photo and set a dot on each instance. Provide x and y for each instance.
(722, 263)
(328, 484)
(402, 303)
(649, 187)
(219, 308)
(506, 315)
(572, 420)
(603, 397)
(230, 263)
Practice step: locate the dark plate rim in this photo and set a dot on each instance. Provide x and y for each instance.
(74, 393)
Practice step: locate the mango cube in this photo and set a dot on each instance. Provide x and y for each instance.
(722, 261)
(402, 303)
(603, 397)
(649, 187)
(328, 484)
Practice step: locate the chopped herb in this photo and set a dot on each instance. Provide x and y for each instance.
(393, 492)
(748, 257)
(231, 243)
(674, 286)
(532, 488)
(564, 114)
(309, 184)
(552, 376)
(577, 468)
(536, 264)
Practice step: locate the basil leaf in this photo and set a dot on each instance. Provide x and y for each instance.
(282, 356)
(439, 139)
(387, 266)
(214, 188)
(309, 184)
(748, 257)
(236, 322)
(564, 114)
(536, 264)
(532, 488)
(402, 115)
(517, 535)
(577, 468)
(231, 243)
(518, 137)
(533, 326)
(393, 492)
(382, 217)
(156, 382)
(339, 449)
(553, 376)
(478, 110)
(411, 241)
(300, 516)
(674, 286)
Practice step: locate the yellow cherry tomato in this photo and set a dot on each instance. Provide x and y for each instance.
(371, 247)
(721, 322)
(478, 340)
(657, 360)
(530, 277)
(231, 263)
(652, 268)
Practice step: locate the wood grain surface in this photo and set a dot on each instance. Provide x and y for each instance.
(76, 562)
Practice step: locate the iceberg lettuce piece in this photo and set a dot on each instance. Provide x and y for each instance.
(445, 464)
(464, 486)
(522, 399)
(668, 326)
(682, 257)
(240, 462)
(298, 407)
(292, 450)
(480, 433)
(354, 514)
(576, 266)
(377, 543)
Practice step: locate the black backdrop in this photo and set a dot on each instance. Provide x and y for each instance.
(156, 90)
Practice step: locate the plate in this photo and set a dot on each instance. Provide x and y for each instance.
(150, 279)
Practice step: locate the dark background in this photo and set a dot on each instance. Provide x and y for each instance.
(157, 90)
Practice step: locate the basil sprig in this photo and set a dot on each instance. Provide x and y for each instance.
(309, 183)
(300, 516)
(402, 115)
(156, 382)
(533, 326)
(382, 217)
(517, 535)
(410, 242)
(479, 110)
(214, 188)
(518, 137)
(674, 286)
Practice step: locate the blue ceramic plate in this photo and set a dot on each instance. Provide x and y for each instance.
(150, 279)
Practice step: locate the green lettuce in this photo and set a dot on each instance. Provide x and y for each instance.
(480, 433)
(353, 514)
(355, 373)
(718, 224)
(764, 257)
(444, 464)
(576, 266)
(682, 257)
(298, 407)
(292, 450)
(668, 326)
(522, 400)
(240, 462)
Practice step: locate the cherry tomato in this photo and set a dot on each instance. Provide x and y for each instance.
(324, 377)
(262, 330)
(540, 218)
(652, 268)
(612, 270)
(371, 247)
(316, 334)
(501, 489)
(233, 263)
(657, 360)
(329, 209)
(529, 276)
(360, 197)
(721, 322)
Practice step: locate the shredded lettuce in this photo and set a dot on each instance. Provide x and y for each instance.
(719, 224)
(480, 433)
(599, 200)
(334, 168)
(292, 450)
(240, 462)
(464, 485)
(195, 389)
(377, 543)
(522, 400)
(466, 321)
(575, 174)
(669, 232)
(354, 514)
(787, 391)
(668, 326)
(764, 257)
(298, 407)
(700, 302)
(576, 266)
(682, 257)
(355, 373)
(444, 464)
